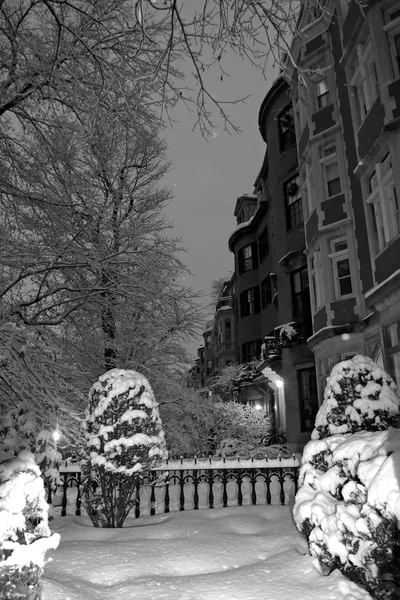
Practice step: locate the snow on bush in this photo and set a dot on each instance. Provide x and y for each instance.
(25, 537)
(124, 437)
(348, 504)
(19, 431)
(358, 395)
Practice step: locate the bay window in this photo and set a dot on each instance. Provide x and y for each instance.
(384, 205)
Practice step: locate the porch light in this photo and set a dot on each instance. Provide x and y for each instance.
(56, 435)
(258, 407)
(279, 383)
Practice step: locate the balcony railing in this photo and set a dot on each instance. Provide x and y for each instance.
(270, 349)
(224, 347)
(289, 334)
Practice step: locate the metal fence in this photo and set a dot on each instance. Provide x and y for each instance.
(188, 485)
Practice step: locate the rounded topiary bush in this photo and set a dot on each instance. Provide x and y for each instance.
(359, 395)
(348, 503)
(124, 437)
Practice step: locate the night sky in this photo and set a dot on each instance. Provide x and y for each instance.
(209, 175)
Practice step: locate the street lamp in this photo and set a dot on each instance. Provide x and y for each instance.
(56, 435)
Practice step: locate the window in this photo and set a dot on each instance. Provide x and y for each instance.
(364, 80)
(383, 200)
(392, 29)
(202, 356)
(308, 189)
(228, 330)
(308, 397)
(266, 292)
(330, 171)
(250, 302)
(391, 340)
(301, 298)
(294, 208)
(219, 336)
(251, 351)
(322, 93)
(247, 258)
(263, 244)
(341, 268)
(316, 280)
(286, 129)
(209, 367)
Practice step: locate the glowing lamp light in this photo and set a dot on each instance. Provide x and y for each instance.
(258, 407)
(279, 383)
(56, 435)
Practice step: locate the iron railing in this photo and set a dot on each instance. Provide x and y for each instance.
(209, 483)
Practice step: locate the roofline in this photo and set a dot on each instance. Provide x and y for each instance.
(274, 89)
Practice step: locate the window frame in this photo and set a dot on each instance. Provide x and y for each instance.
(327, 160)
(286, 131)
(304, 316)
(364, 79)
(322, 99)
(316, 280)
(247, 263)
(311, 397)
(254, 354)
(392, 30)
(249, 306)
(336, 257)
(266, 292)
(384, 203)
(294, 208)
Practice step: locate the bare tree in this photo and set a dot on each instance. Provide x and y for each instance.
(84, 55)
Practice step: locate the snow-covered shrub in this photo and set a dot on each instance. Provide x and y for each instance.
(348, 504)
(124, 437)
(19, 431)
(358, 395)
(25, 537)
(242, 423)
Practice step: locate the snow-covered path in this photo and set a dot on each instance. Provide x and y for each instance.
(236, 553)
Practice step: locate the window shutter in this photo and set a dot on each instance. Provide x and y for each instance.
(243, 304)
(257, 299)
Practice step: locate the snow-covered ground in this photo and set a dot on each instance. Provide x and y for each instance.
(235, 553)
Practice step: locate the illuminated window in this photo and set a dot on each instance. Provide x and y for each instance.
(322, 93)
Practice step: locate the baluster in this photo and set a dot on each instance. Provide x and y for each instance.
(153, 500)
(182, 494)
(253, 479)
(268, 482)
(196, 490)
(210, 485)
(239, 482)
(281, 481)
(166, 499)
(64, 498)
(78, 496)
(224, 490)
